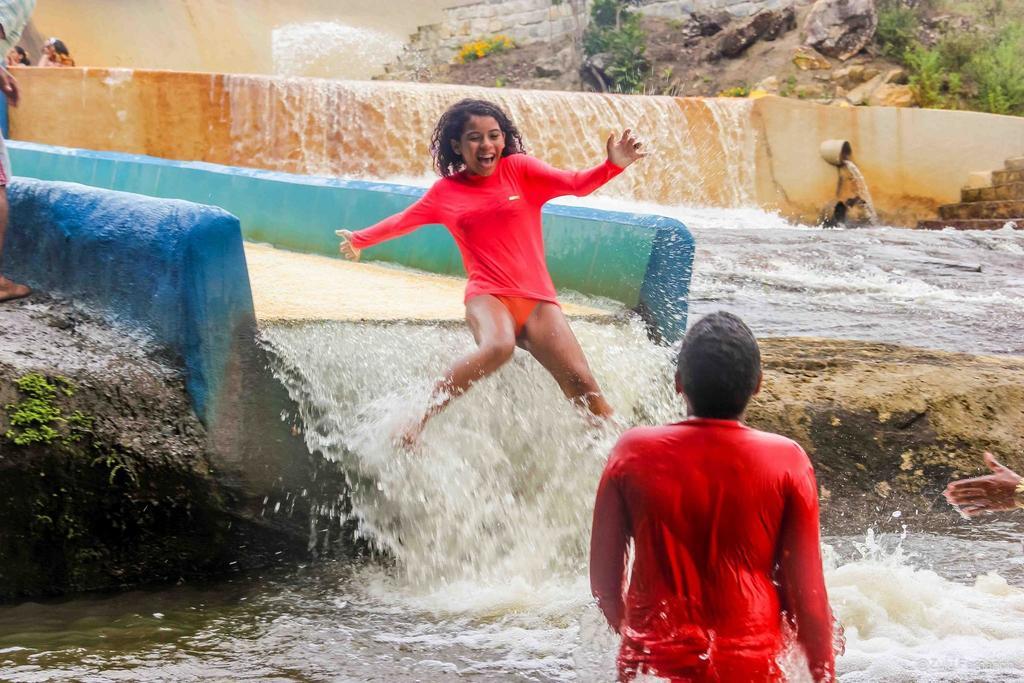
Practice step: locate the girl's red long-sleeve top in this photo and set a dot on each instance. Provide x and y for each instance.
(723, 521)
(496, 222)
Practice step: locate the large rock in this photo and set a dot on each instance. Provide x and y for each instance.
(808, 59)
(765, 25)
(555, 65)
(106, 474)
(890, 424)
(711, 23)
(594, 74)
(862, 93)
(893, 95)
(851, 76)
(841, 28)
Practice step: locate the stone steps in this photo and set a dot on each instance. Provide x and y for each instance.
(996, 192)
(970, 224)
(1015, 164)
(1004, 177)
(988, 201)
(995, 209)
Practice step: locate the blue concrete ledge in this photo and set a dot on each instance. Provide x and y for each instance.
(641, 260)
(176, 268)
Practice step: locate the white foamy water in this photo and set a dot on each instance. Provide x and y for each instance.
(488, 522)
(331, 50)
(513, 468)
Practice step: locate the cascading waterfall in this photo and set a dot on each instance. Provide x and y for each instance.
(862, 190)
(378, 130)
(503, 483)
(488, 522)
(326, 49)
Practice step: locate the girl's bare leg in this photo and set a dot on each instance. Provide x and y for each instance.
(551, 341)
(494, 331)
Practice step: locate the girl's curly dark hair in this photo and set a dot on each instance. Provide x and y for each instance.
(451, 125)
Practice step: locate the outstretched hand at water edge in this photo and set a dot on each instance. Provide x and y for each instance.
(1001, 490)
(626, 150)
(347, 249)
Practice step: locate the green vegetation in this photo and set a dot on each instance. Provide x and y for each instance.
(897, 28)
(981, 68)
(735, 91)
(932, 87)
(616, 31)
(35, 418)
(998, 72)
(788, 88)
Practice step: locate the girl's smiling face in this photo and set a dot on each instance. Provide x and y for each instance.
(480, 145)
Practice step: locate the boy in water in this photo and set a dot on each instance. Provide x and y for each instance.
(723, 520)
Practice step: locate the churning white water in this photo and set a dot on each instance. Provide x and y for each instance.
(485, 530)
(331, 50)
(488, 522)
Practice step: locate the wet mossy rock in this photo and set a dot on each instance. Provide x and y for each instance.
(890, 422)
(105, 479)
(85, 506)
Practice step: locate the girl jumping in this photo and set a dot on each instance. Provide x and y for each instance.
(489, 197)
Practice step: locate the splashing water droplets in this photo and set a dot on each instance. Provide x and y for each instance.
(500, 484)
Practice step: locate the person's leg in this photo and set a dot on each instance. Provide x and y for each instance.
(494, 331)
(549, 338)
(8, 289)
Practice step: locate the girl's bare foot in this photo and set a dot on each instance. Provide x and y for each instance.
(12, 290)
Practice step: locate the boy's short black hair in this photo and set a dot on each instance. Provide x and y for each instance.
(719, 366)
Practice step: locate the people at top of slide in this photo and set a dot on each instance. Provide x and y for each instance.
(723, 522)
(999, 491)
(17, 56)
(55, 53)
(489, 197)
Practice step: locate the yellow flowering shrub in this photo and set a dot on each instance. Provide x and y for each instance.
(737, 91)
(478, 49)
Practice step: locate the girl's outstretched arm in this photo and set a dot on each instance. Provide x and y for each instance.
(424, 212)
(546, 182)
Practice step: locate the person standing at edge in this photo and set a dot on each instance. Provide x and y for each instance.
(489, 197)
(724, 525)
(14, 16)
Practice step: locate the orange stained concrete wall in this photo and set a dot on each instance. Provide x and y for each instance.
(912, 159)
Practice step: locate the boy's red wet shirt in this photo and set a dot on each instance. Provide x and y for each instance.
(717, 512)
(496, 222)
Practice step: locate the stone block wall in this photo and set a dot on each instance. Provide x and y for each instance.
(532, 21)
(682, 8)
(524, 21)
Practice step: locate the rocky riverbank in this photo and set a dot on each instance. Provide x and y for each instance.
(889, 425)
(106, 478)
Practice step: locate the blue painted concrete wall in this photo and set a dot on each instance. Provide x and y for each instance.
(174, 267)
(641, 260)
